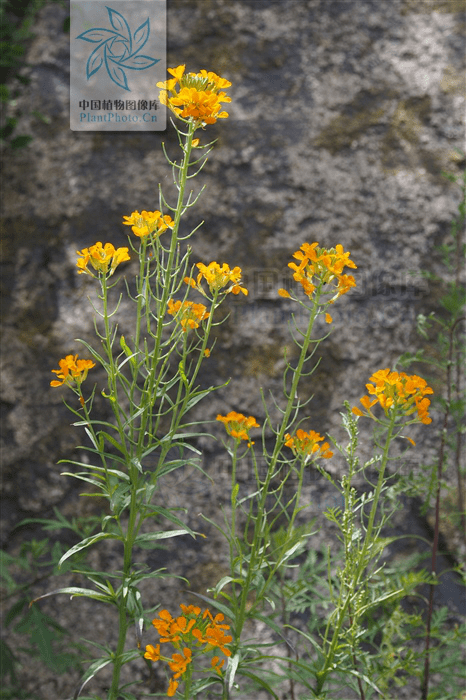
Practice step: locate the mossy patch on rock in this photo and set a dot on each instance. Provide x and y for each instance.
(401, 148)
(453, 81)
(264, 360)
(359, 115)
(427, 6)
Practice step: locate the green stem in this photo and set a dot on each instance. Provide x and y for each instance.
(117, 659)
(133, 523)
(257, 545)
(363, 561)
(112, 373)
(127, 564)
(167, 286)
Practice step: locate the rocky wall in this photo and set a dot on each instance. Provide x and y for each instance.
(344, 114)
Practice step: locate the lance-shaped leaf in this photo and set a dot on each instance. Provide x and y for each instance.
(257, 680)
(167, 513)
(90, 673)
(74, 591)
(139, 62)
(147, 537)
(87, 543)
(97, 35)
(230, 672)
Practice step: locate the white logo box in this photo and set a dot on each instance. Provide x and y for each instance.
(118, 54)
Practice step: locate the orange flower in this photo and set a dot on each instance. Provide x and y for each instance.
(72, 370)
(307, 445)
(172, 686)
(152, 653)
(397, 392)
(199, 97)
(214, 634)
(217, 664)
(168, 627)
(319, 266)
(180, 662)
(190, 630)
(190, 609)
(101, 258)
(238, 426)
(148, 222)
(217, 638)
(188, 313)
(217, 278)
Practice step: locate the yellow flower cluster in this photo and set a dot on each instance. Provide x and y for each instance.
(397, 392)
(217, 278)
(321, 266)
(101, 258)
(199, 96)
(71, 370)
(188, 313)
(307, 444)
(238, 426)
(188, 631)
(148, 222)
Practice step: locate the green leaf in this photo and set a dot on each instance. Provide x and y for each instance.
(112, 441)
(227, 579)
(93, 669)
(82, 477)
(230, 672)
(198, 397)
(4, 93)
(260, 681)
(166, 513)
(45, 634)
(8, 661)
(21, 141)
(87, 542)
(270, 623)
(113, 472)
(128, 352)
(74, 591)
(14, 611)
(153, 536)
(120, 498)
(93, 352)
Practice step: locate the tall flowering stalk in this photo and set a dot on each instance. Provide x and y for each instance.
(149, 406)
(254, 562)
(400, 396)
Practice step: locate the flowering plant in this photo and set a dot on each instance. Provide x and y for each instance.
(203, 633)
(151, 386)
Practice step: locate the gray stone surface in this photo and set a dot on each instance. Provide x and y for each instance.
(343, 115)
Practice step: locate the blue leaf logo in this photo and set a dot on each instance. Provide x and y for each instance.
(118, 49)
